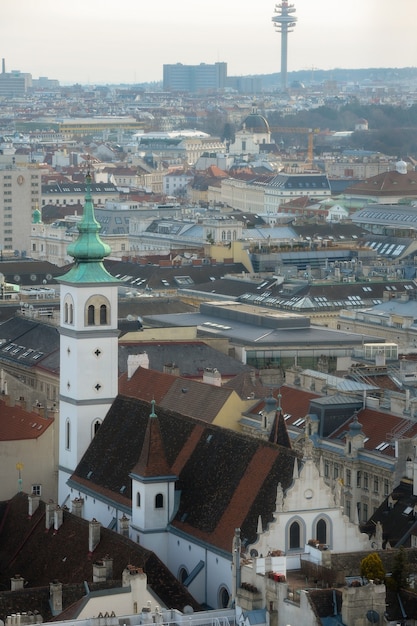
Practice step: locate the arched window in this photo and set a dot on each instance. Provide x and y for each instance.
(90, 315)
(96, 426)
(97, 311)
(223, 235)
(138, 499)
(67, 434)
(68, 310)
(295, 535)
(224, 598)
(159, 501)
(182, 574)
(103, 314)
(234, 235)
(321, 531)
(229, 235)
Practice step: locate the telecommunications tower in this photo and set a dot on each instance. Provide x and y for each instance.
(284, 21)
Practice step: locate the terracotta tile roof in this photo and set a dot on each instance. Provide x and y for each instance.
(146, 384)
(187, 396)
(41, 556)
(226, 478)
(17, 424)
(387, 184)
(379, 428)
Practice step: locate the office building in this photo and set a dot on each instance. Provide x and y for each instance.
(195, 78)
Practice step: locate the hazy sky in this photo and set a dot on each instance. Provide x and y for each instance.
(112, 41)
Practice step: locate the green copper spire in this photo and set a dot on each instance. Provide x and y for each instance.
(88, 246)
(88, 249)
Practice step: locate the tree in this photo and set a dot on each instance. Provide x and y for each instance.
(372, 567)
(398, 578)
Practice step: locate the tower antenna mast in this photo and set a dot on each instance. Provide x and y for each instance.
(284, 22)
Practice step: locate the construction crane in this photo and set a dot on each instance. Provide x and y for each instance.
(302, 131)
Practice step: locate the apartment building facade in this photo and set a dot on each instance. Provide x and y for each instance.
(20, 194)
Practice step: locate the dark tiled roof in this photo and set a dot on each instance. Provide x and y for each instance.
(191, 357)
(41, 557)
(399, 521)
(226, 479)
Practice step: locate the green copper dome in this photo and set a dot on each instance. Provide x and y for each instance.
(36, 216)
(88, 249)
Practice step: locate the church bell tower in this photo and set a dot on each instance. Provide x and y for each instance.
(88, 344)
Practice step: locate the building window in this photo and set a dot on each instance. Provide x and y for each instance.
(347, 508)
(67, 434)
(182, 574)
(295, 535)
(376, 484)
(103, 314)
(321, 531)
(159, 501)
(90, 315)
(224, 598)
(36, 490)
(138, 499)
(336, 471)
(365, 480)
(348, 478)
(96, 426)
(365, 512)
(326, 469)
(359, 479)
(386, 487)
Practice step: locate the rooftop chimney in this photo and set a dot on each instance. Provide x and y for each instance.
(55, 597)
(58, 518)
(17, 582)
(77, 507)
(33, 502)
(136, 360)
(124, 526)
(212, 376)
(93, 535)
(49, 514)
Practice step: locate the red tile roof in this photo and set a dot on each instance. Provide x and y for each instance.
(17, 424)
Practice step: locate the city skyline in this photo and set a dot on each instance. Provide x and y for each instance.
(107, 43)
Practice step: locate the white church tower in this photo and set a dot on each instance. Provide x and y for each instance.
(88, 345)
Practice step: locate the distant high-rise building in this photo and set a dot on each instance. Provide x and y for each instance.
(14, 83)
(284, 21)
(195, 78)
(20, 191)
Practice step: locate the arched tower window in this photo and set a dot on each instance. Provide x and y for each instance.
(138, 499)
(103, 314)
(68, 310)
(97, 311)
(159, 501)
(295, 535)
(91, 315)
